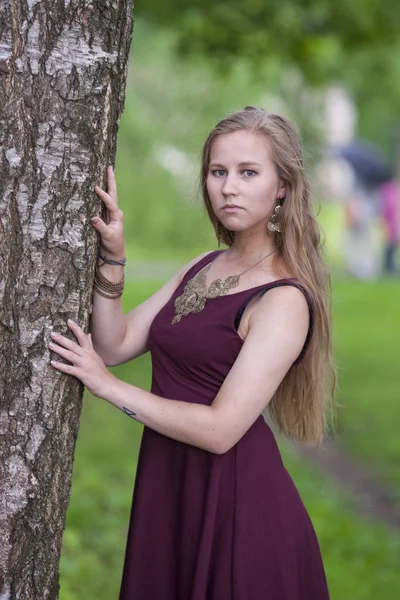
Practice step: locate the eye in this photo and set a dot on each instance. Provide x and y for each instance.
(218, 172)
(249, 173)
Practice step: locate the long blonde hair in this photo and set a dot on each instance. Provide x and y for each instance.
(303, 405)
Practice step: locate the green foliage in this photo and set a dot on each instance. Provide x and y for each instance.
(371, 74)
(314, 35)
(317, 42)
(361, 557)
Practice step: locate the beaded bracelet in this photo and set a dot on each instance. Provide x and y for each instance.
(108, 261)
(107, 288)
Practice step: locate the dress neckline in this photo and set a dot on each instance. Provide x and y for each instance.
(214, 255)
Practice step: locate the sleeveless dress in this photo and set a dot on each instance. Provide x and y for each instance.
(215, 527)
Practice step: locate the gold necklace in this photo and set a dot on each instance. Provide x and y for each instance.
(195, 293)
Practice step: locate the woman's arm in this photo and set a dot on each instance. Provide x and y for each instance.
(277, 332)
(116, 337)
(107, 320)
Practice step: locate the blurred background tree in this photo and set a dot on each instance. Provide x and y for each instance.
(355, 42)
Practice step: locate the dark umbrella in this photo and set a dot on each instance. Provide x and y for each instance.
(367, 162)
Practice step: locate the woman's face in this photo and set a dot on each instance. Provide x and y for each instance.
(242, 180)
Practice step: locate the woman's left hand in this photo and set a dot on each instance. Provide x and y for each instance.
(86, 363)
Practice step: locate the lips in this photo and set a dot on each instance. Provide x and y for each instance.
(229, 207)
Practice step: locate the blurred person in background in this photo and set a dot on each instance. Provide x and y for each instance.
(362, 247)
(215, 514)
(390, 211)
(362, 252)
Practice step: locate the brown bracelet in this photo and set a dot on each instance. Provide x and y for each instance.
(107, 288)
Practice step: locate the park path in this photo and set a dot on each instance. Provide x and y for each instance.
(370, 497)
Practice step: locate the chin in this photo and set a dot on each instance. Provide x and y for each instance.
(235, 227)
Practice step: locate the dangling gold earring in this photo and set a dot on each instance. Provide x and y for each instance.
(219, 232)
(275, 225)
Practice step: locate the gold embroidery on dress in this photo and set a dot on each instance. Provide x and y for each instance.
(194, 296)
(195, 293)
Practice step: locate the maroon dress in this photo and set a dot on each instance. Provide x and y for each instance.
(206, 526)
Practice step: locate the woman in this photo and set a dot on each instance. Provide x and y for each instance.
(215, 514)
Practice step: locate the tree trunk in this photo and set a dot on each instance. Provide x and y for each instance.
(63, 67)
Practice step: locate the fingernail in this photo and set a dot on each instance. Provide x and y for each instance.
(70, 322)
(51, 345)
(53, 334)
(95, 220)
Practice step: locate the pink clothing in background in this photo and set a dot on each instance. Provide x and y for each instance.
(390, 208)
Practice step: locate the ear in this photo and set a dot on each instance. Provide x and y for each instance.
(281, 191)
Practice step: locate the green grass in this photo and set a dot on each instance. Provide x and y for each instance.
(361, 557)
(367, 333)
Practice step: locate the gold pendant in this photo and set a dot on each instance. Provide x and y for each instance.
(194, 296)
(220, 288)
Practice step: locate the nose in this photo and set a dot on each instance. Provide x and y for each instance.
(229, 187)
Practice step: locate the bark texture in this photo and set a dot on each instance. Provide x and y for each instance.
(63, 67)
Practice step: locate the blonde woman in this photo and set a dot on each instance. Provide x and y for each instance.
(215, 515)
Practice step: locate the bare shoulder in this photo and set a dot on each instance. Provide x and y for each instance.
(278, 324)
(285, 300)
(283, 307)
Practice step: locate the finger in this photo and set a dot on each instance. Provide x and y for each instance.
(90, 339)
(69, 369)
(78, 333)
(112, 184)
(110, 203)
(66, 343)
(99, 225)
(72, 357)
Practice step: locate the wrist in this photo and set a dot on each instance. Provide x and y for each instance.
(118, 256)
(109, 388)
(106, 260)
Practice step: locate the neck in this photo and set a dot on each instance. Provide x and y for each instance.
(249, 247)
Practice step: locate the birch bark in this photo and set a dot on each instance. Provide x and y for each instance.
(63, 68)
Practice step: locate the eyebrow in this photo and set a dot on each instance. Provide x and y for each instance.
(242, 164)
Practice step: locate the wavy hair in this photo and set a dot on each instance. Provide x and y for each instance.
(303, 405)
